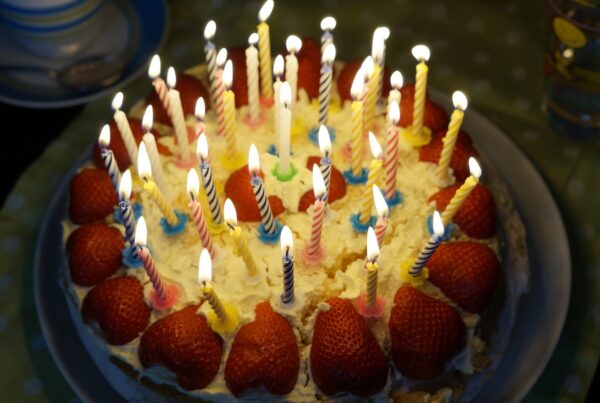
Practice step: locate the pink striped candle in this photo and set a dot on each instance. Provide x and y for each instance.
(390, 160)
(382, 214)
(159, 84)
(318, 214)
(193, 187)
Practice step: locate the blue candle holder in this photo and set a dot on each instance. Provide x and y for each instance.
(130, 258)
(267, 238)
(360, 227)
(397, 199)
(313, 135)
(176, 229)
(137, 213)
(448, 229)
(354, 180)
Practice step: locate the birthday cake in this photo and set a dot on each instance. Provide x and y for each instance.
(281, 273)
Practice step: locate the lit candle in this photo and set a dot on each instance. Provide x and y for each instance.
(229, 105)
(220, 91)
(193, 186)
(397, 81)
(240, 244)
(145, 172)
(204, 277)
(177, 115)
(422, 54)
(293, 45)
(325, 163)
(278, 72)
(373, 87)
(372, 267)
(264, 49)
(286, 129)
(159, 85)
(432, 244)
(390, 162)
(380, 35)
(367, 67)
(124, 128)
(207, 179)
(287, 260)
(126, 210)
(382, 214)
(267, 219)
(373, 179)
(150, 142)
(252, 76)
(199, 114)
(327, 26)
(210, 52)
(108, 157)
(318, 213)
(460, 105)
(141, 235)
(325, 83)
(463, 192)
(356, 144)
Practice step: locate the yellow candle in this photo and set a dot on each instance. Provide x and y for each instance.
(240, 245)
(421, 53)
(264, 50)
(463, 192)
(229, 106)
(357, 124)
(460, 105)
(373, 179)
(372, 267)
(373, 85)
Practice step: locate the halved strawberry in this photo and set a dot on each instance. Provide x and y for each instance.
(264, 353)
(117, 305)
(239, 190)
(94, 253)
(309, 66)
(190, 89)
(337, 187)
(477, 215)
(435, 117)
(92, 196)
(240, 80)
(425, 333)
(459, 162)
(466, 271)
(185, 344)
(346, 76)
(345, 355)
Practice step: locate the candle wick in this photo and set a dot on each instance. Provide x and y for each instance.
(230, 226)
(192, 196)
(287, 251)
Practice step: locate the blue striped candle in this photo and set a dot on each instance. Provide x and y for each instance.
(287, 260)
(108, 157)
(264, 207)
(429, 249)
(207, 180)
(325, 83)
(126, 210)
(325, 163)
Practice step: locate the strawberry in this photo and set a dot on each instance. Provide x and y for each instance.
(345, 355)
(184, 343)
(477, 216)
(459, 162)
(435, 116)
(117, 305)
(190, 89)
(337, 187)
(264, 353)
(425, 333)
(309, 66)
(94, 253)
(466, 271)
(239, 190)
(92, 196)
(346, 76)
(240, 80)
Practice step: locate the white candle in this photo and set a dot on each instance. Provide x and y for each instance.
(124, 128)
(278, 71)
(177, 114)
(199, 114)
(150, 143)
(252, 77)
(286, 127)
(293, 45)
(397, 81)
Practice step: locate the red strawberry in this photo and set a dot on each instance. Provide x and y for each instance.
(345, 355)
(264, 353)
(459, 162)
(477, 216)
(346, 77)
(239, 190)
(425, 333)
(466, 272)
(117, 305)
(337, 187)
(92, 196)
(94, 253)
(435, 116)
(240, 80)
(184, 343)
(309, 66)
(190, 89)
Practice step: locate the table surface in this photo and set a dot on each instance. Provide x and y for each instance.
(492, 52)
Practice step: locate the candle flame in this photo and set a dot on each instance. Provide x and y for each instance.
(329, 54)
(253, 160)
(328, 24)
(148, 118)
(125, 185)
(382, 33)
(287, 240)
(200, 109)
(144, 167)
(372, 246)
(278, 66)
(293, 44)
(397, 80)
(229, 213)
(358, 85)
(285, 94)
(459, 99)
(210, 29)
(202, 146)
(171, 77)
(394, 112)
(253, 39)
(141, 233)
(204, 267)
(228, 74)
(266, 10)
(380, 204)
(221, 57)
(375, 147)
(438, 224)
(154, 69)
(421, 53)
(193, 183)
(318, 182)
(324, 141)
(117, 101)
(367, 67)
(104, 138)
(474, 168)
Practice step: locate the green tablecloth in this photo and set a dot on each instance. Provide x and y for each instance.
(491, 51)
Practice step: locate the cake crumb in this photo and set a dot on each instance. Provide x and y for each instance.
(323, 306)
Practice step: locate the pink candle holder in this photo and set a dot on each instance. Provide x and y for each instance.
(374, 311)
(314, 259)
(168, 302)
(254, 123)
(186, 163)
(266, 102)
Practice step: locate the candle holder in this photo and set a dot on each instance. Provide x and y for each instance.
(130, 259)
(417, 139)
(449, 228)
(267, 102)
(215, 228)
(313, 135)
(269, 239)
(176, 229)
(375, 311)
(284, 177)
(187, 163)
(254, 123)
(397, 199)
(228, 324)
(406, 277)
(354, 180)
(163, 304)
(137, 212)
(359, 226)
(315, 258)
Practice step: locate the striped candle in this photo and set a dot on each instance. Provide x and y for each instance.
(108, 157)
(241, 245)
(150, 143)
(421, 53)
(318, 213)
(325, 163)
(382, 214)
(229, 107)
(380, 35)
(372, 267)
(356, 144)
(252, 77)
(199, 114)
(124, 128)
(264, 50)
(460, 105)
(220, 91)
(159, 85)
(390, 161)
(193, 186)
(372, 97)
(325, 83)
(207, 179)
(366, 68)
(372, 179)
(432, 244)
(287, 260)
(327, 26)
(147, 261)
(204, 277)
(267, 219)
(126, 210)
(210, 53)
(177, 116)
(463, 192)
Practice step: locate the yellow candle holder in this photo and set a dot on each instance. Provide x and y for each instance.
(417, 139)
(228, 324)
(406, 277)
